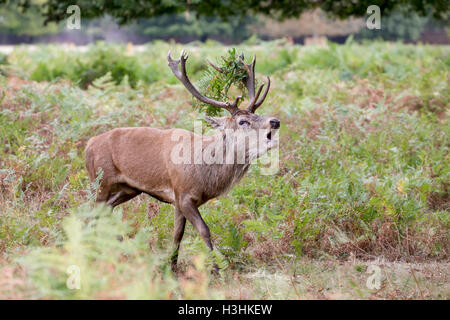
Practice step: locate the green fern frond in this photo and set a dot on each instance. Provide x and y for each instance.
(216, 85)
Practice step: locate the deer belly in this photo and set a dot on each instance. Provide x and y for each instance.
(153, 188)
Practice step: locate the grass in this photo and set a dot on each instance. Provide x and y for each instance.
(363, 176)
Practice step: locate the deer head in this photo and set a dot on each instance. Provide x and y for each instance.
(241, 122)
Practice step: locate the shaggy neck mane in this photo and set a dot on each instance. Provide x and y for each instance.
(218, 178)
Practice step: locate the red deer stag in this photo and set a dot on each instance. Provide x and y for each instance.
(141, 159)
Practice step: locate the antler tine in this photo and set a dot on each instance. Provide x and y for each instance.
(249, 82)
(180, 73)
(214, 66)
(252, 108)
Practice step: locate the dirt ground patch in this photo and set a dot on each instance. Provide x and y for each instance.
(352, 279)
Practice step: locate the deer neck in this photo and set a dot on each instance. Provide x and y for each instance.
(219, 177)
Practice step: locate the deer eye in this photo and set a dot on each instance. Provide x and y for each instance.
(243, 122)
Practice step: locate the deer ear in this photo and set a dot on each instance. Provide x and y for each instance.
(216, 122)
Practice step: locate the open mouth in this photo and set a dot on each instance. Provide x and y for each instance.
(271, 135)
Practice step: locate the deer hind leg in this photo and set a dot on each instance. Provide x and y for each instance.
(190, 212)
(120, 194)
(178, 231)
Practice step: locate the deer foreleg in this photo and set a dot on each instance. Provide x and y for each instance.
(190, 212)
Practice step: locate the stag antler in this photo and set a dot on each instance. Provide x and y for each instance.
(254, 100)
(180, 73)
(249, 83)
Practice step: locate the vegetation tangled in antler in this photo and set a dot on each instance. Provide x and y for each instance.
(219, 78)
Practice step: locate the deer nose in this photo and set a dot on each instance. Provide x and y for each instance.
(274, 123)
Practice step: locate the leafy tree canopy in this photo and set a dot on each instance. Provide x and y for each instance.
(14, 21)
(126, 11)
